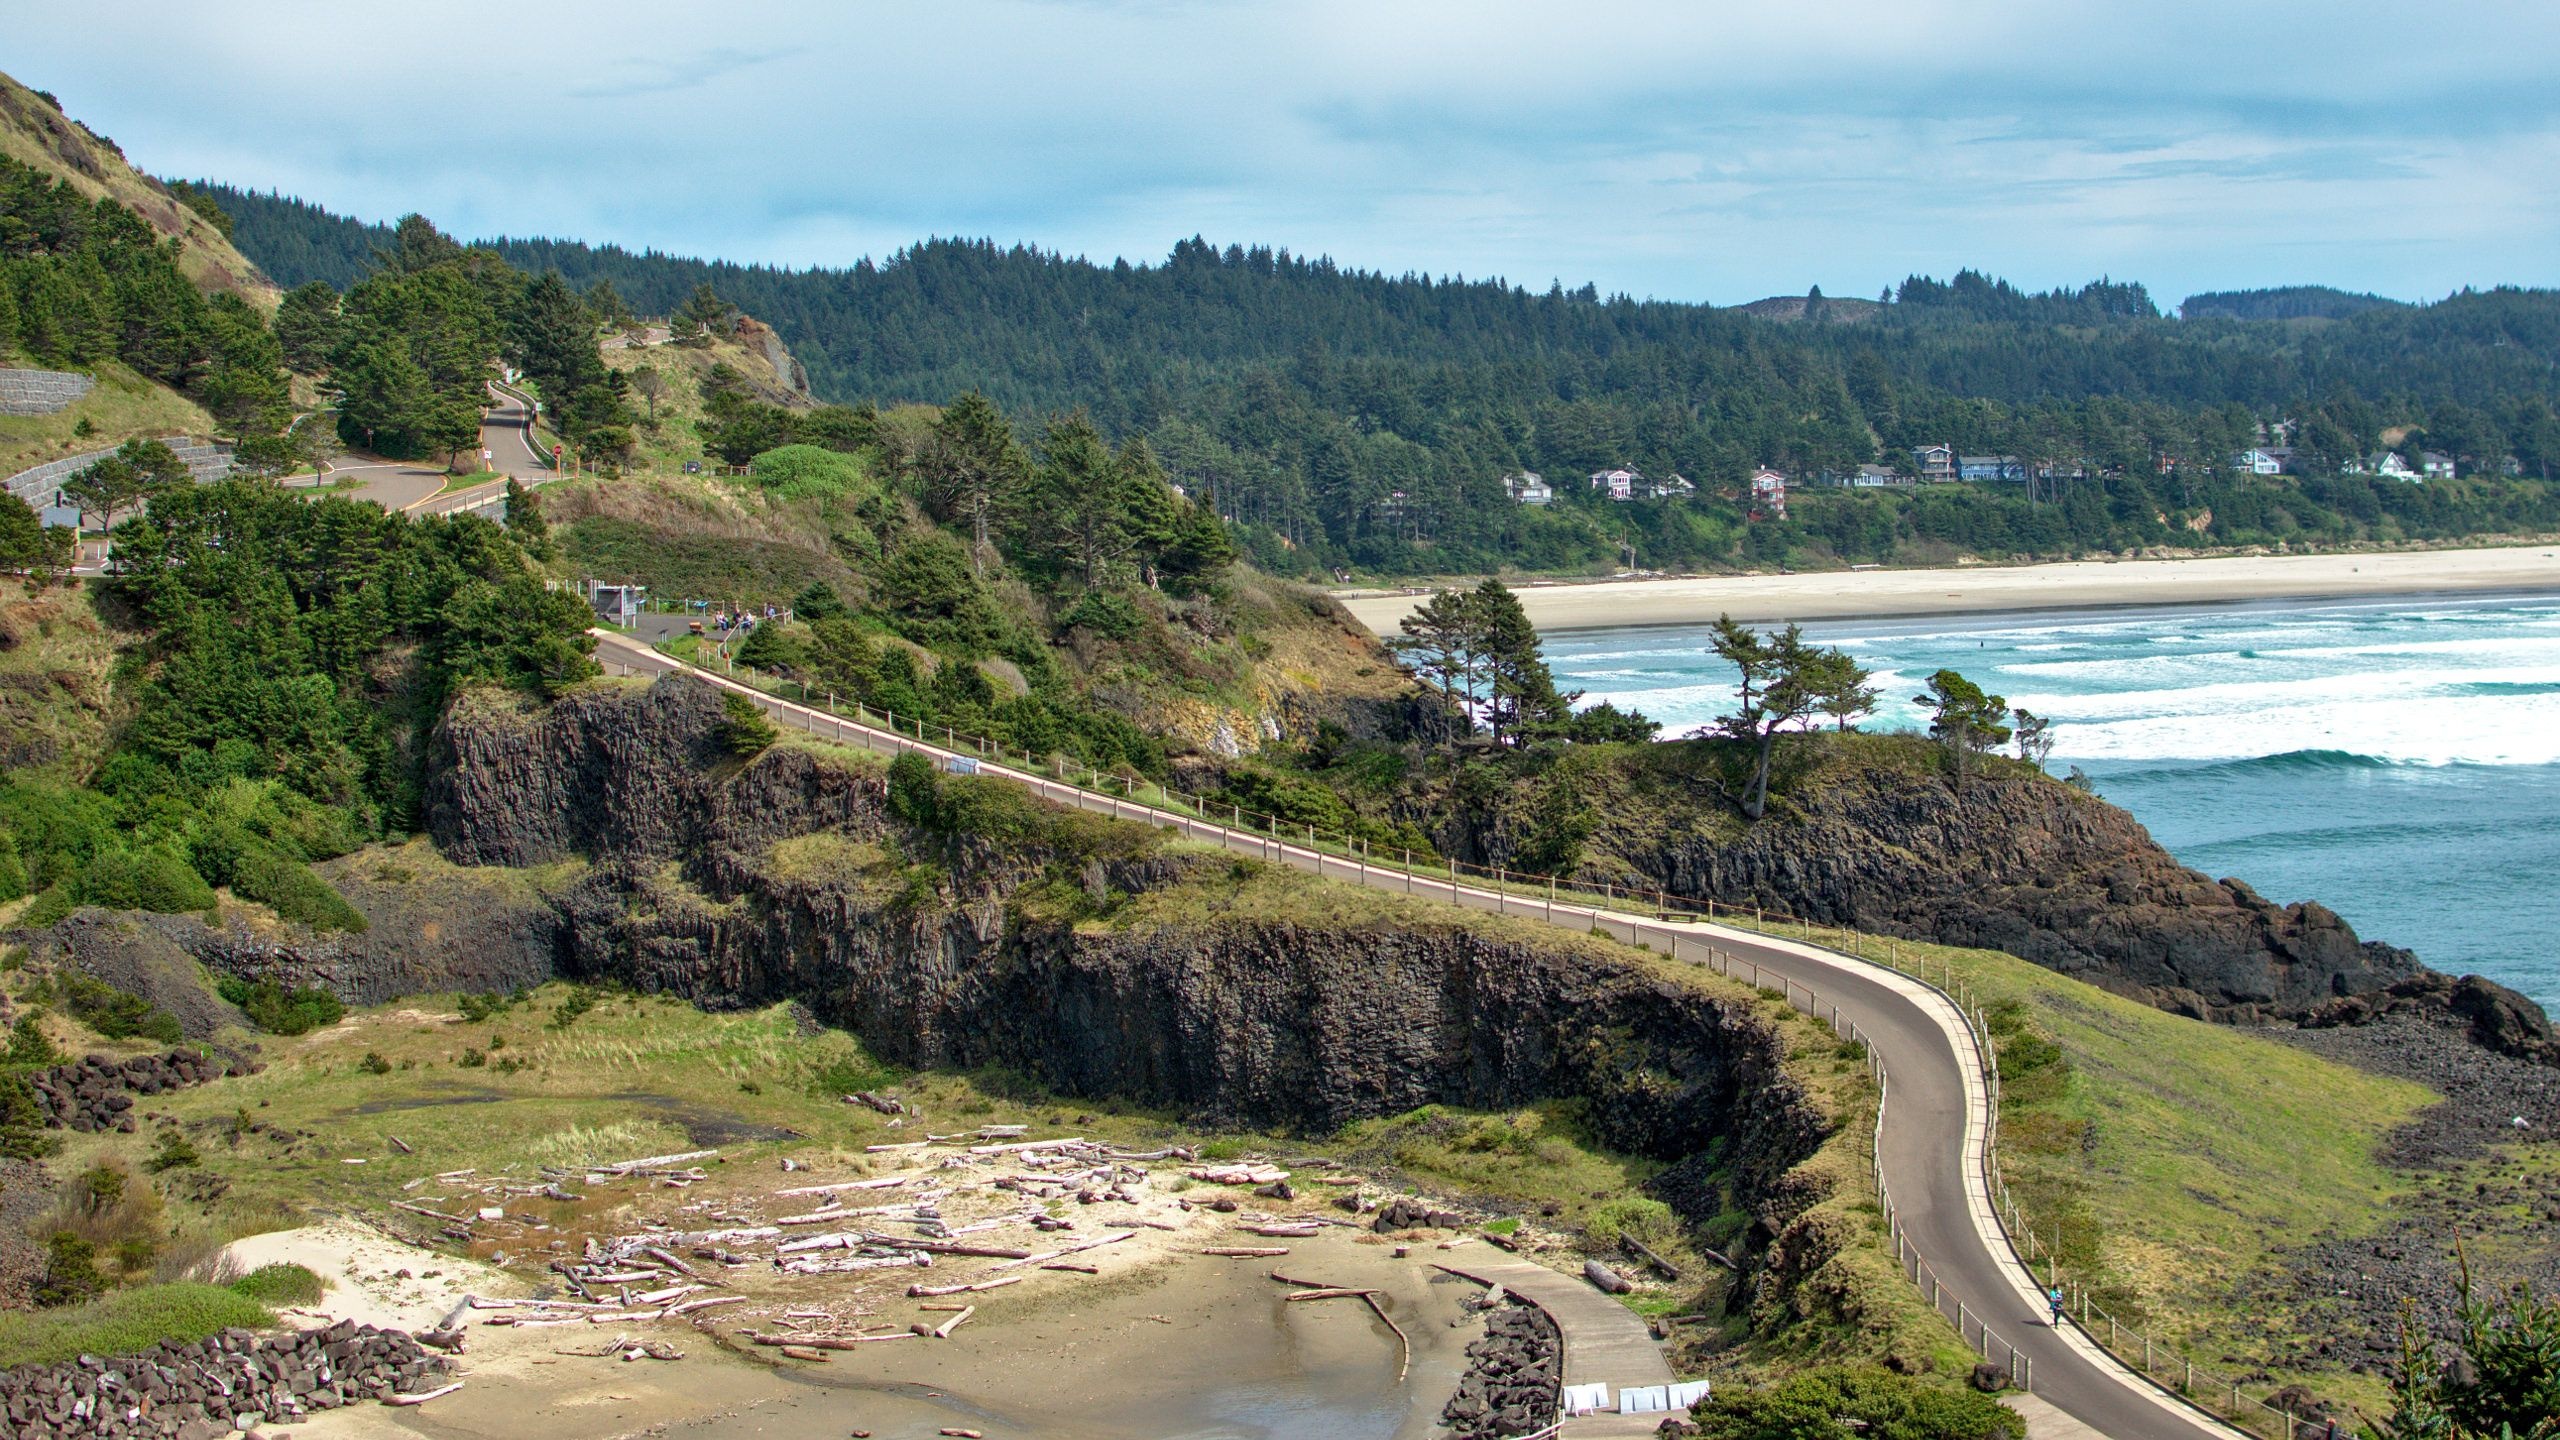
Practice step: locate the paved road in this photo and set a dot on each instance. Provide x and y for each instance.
(1934, 1129)
(394, 485)
(506, 432)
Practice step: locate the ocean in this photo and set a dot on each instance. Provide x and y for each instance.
(2397, 761)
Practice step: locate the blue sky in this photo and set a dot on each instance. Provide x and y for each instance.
(1701, 151)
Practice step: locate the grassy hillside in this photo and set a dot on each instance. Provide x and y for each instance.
(120, 407)
(34, 131)
(668, 432)
(2176, 1164)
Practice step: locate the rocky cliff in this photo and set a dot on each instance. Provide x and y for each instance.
(1873, 833)
(1150, 972)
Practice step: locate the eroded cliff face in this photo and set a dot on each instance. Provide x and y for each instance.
(2048, 874)
(788, 878)
(1875, 836)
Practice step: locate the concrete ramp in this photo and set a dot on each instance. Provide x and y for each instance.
(1604, 1342)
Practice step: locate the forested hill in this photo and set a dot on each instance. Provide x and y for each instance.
(1354, 418)
(1040, 331)
(2286, 302)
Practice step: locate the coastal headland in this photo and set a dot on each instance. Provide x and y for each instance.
(2077, 584)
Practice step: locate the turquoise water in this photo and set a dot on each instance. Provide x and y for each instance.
(2398, 762)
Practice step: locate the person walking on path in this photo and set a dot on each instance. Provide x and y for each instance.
(2054, 1300)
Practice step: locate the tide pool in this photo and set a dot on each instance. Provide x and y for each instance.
(2397, 761)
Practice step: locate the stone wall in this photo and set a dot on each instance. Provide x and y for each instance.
(36, 485)
(40, 392)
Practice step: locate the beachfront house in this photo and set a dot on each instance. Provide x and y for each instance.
(1618, 484)
(1768, 495)
(2261, 461)
(2435, 464)
(2387, 464)
(1528, 487)
(1990, 467)
(1876, 477)
(1934, 463)
(1671, 487)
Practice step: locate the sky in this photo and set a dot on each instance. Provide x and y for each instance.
(1707, 151)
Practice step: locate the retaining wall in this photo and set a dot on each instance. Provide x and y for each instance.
(36, 485)
(40, 392)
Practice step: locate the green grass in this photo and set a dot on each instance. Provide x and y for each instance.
(2168, 1160)
(56, 699)
(283, 1283)
(125, 1321)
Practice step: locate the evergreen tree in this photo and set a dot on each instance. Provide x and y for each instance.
(1963, 718)
(551, 338)
(308, 326)
(970, 465)
(703, 318)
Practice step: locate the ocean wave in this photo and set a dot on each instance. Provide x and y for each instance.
(2291, 762)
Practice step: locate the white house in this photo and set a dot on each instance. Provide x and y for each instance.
(2258, 462)
(1877, 477)
(1936, 462)
(2436, 464)
(1619, 484)
(2388, 465)
(1528, 487)
(1672, 487)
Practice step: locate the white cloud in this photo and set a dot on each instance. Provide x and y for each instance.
(1710, 151)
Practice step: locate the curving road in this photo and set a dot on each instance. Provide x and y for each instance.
(506, 432)
(1932, 1135)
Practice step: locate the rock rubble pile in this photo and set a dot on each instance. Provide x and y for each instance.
(1515, 1377)
(228, 1382)
(97, 1093)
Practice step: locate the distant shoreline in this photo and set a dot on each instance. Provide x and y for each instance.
(1991, 589)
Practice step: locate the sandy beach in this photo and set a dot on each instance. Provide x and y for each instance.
(1178, 1345)
(2082, 584)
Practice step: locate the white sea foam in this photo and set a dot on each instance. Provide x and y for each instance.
(2408, 686)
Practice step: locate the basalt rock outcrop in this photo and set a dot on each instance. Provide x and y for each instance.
(1292, 1019)
(1879, 838)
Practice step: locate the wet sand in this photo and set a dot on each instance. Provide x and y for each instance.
(1185, 1347)
(2083, 584)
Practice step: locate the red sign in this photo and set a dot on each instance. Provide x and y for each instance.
(555, 452)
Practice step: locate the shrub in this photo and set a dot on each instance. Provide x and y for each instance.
(22, 1132)
(70, 1271)
(576, 1003)
(1632, 1217)
(117, 1014)
(173, 1151)
(126, 1322)
(279, 1011)
(29, 1046)
(1102, 613)
(374, 1064)
(799, 472)
(477, 1008)
(283, 1283)
(1872, 1402)
(915, 792)
(148, 879)
(288, 887)
(742, 729)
